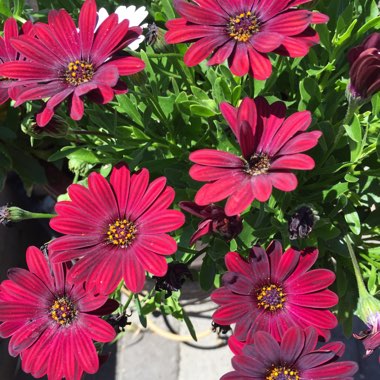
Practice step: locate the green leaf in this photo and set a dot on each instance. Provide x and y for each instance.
(207, 273)
(354, 130)
(84, 155)
(352, 218)
(199, 110)
(189, 325)
(142, 317)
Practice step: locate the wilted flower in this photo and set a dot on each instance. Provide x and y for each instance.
(244, 32)
(214, 220)
(119, 321)
(117, 229)
(174, 278)
(271, 147)
(66, 62)
(369, 311)
(274, 291)
(301, 223)
(365, 68)
(220, 329)
(8, 53)
(133, 15)
(52, 324)
(294, 358)
(4, 215)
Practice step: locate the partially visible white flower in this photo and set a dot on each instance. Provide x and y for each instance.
(135, 16)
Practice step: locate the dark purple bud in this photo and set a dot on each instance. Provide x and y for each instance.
(220, 329)
(301, 223)
(119, 321)
(174, 278)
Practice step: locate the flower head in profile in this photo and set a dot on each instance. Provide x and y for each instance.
(271, 147)
(369, 312)
(134, 15)
(294, 358)
(8, 53)
(365, 68)
(117, 229)
(243, 32)
(214, 220)
(274, 291)
(65, 62)
(52, 324)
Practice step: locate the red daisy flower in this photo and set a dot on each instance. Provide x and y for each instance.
(214, 220)
(52, 325)
(244, 32)
(64, 62)
(274, 291)
(118, 229)
(8, 53)
(270, 146)
(295, 358)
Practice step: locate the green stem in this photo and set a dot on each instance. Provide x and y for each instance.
(359, 279)
(199, 253)
(91, 133)
(125, 306)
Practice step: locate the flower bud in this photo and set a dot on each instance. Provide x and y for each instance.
(174, 278)
(56, 128)
(364, 69)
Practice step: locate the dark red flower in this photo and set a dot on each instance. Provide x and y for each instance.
(244, 32)
(365, 68)
(8, 53)
(371, 336)
(214, 220)
(295, 358)
(52, 324)
(118, 229)
(66, 62)
(271, 147)
(274, 291)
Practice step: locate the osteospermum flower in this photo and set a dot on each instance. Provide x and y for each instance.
(295, 358)
(133, 15)
(274, 291)
(66, 62)
(52, 325)
(271, 147)
(117, 229)
(8, 53)
(214, 220)
(244, 32)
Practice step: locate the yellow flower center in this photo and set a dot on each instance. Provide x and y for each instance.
(271, 297)
(79, 72)
(258, 164)
(63, 311)
(121, 233)
(243, 26)
(283, 373)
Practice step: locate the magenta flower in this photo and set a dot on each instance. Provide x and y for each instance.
(8, 53)
(244, 32)
(214, 220)
(274, 291)
(371, 336)
(117, 229)
(365, 68)
(271, 147)
(52, 325)
(295, 358)
(64, 62)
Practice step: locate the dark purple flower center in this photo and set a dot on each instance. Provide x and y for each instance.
(121, 233)
(79, 72)
(243, 26)
(271, 297)
(283, 373)
(63, 311)
(259, 163)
